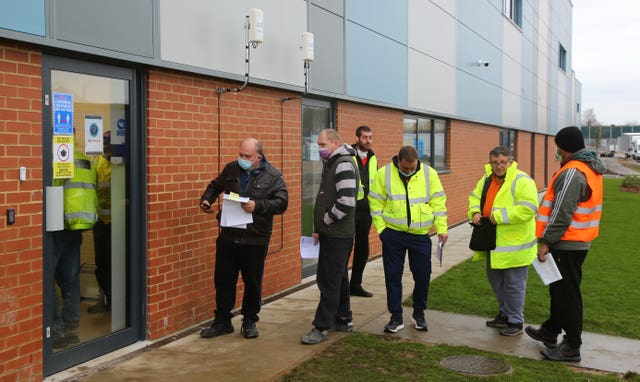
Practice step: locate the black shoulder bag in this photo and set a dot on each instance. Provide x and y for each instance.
(483, 237)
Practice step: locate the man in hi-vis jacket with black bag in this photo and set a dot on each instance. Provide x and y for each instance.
(507, 198)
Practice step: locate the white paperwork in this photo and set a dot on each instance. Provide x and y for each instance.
(439, 252)
(309, 250)
(232, 213)
(547, 270)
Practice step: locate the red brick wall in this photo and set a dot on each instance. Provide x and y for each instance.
(20, 243)
(523, 151)
(182, 159)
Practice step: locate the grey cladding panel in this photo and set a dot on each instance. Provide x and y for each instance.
(120, 25)
(327, 68)
(335, 6)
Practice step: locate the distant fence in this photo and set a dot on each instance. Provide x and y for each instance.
(609, 135)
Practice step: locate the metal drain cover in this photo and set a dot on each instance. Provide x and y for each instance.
(473, 364)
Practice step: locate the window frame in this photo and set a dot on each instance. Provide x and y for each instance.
(513, 10)
(434, 124)
(562, 58)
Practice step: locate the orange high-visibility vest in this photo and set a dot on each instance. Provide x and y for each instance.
(585, 223)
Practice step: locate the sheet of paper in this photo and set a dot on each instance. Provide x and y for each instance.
(439, 252)
(309, 250)
(232, 213)
(547, 270)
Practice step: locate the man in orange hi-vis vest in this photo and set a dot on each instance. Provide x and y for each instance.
(568, 220)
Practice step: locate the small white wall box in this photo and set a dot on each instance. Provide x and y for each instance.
(256, 25)
(307, 46)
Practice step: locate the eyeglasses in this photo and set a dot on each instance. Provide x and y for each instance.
(501, 163)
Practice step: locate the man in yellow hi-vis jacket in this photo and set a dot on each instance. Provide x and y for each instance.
(508, 197)
(406, 200)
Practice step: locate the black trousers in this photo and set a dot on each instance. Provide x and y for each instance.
(565, 311)
(248, 260)
(102, 253)
(360, 247)
(333, 281)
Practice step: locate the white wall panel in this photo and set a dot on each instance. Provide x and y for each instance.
(432, 30)
(511, 40)
(211, 34)
(511, 109)
(448, 5)
(431, 84)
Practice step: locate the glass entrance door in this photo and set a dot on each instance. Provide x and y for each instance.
(92, 275)
(316, 115)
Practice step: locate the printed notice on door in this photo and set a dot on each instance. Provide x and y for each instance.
(62, 156)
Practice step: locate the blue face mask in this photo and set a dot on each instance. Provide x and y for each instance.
(407, 175)
(244, 164)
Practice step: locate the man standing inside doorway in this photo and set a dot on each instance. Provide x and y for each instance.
(367, 166)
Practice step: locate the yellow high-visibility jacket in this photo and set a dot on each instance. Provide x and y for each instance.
(388, 199)
(80, 198)
(514, 210)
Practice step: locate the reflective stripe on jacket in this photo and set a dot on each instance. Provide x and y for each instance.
(388, 200)
(103, 171)
(585, 222)
(514, 209)
(80, 198)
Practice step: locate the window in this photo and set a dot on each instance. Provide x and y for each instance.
(577, 108)
(429, 137)
(513, 10)
(562, 58)
(508, 139)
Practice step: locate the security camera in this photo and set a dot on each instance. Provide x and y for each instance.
(486, 64)
(483, 63)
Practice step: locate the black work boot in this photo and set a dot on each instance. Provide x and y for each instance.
(248, 328)
(499, 322)
(548, 339)
(218, 328)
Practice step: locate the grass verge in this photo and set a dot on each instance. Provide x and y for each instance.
(370, 358)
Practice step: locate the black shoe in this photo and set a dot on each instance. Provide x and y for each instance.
(99, 307)
(71, 335)
(342, 325)
(248, 328)
(511, 330)
(359, 292)
(419, 322)
(561, 353)
(394, 325)
(59, 339)
(217, 329)
(499, 322)
(541, 335)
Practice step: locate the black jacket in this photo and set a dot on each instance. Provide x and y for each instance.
(265, 186)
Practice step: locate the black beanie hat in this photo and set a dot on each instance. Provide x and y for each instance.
(570, 139)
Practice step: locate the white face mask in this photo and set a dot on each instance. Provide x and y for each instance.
(362, 154)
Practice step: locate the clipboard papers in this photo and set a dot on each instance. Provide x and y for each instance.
(232, 213)
(309, 250)
(547, 270)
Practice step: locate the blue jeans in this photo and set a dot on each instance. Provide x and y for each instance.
(66, 256)
(394, 246)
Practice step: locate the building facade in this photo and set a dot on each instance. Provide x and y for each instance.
(178, 85)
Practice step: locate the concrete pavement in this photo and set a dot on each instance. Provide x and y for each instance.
(284, 320)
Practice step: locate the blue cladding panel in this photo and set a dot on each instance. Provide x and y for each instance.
(389, 18)
(376, 66)
(477, 99)
(23, 16)
(482, 18)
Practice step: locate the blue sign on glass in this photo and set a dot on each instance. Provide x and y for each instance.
(420, 148)
(62, 114)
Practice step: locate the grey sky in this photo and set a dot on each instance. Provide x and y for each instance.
(606, 58)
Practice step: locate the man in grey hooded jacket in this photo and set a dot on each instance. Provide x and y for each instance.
(567, 221)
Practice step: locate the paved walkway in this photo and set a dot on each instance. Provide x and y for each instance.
(285, 320)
